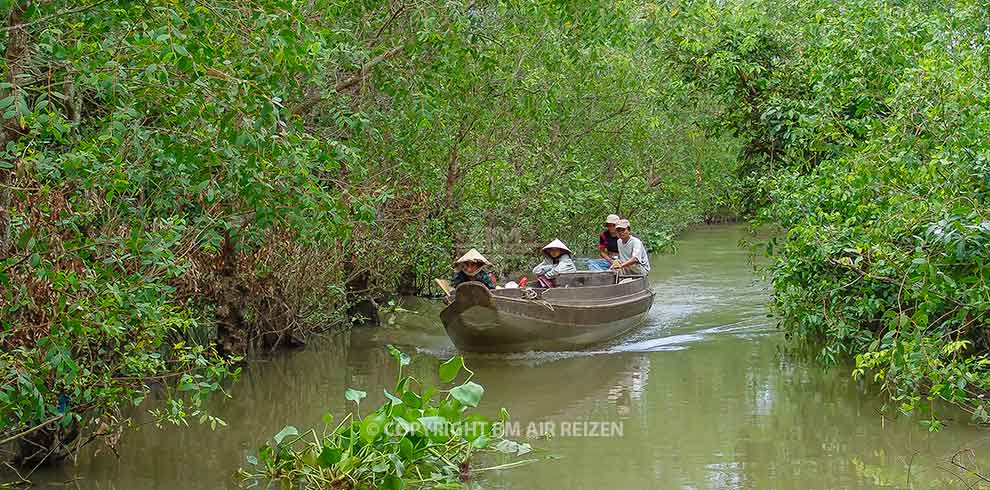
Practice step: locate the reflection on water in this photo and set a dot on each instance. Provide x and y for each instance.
(700, 398)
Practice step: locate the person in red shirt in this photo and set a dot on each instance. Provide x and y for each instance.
(608, 246)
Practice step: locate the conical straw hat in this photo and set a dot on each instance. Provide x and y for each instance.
(472, 255)
(558, 244)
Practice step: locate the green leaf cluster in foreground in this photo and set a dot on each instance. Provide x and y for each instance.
(411, 441)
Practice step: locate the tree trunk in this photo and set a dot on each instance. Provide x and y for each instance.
(453, 177)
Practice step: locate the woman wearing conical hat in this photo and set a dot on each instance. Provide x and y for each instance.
(556, 259)
(470, 267)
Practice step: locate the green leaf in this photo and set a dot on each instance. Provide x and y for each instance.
(400, 467)
(481, 442)
(468, 393)
(392, 482)
(523, 449)
(354, 395)
(450, 410)
(6, 101)
(392, 398)
(511, 447)
(372, 426)
(285, 432)
(406, 449)
(451, 368)
(506, 446)
(406, 426)
(265, 454)
(329, 457)
(400, 356)
(411, 399)
(22, 107)
(435, 427)
(428, 393)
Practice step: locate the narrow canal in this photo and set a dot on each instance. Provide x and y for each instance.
(701, 398)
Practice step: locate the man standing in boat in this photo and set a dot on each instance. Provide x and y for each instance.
(608, 245)
(632, 254)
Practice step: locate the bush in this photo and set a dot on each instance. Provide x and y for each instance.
(866, 127)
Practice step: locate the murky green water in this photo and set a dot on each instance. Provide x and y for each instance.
(700, 398)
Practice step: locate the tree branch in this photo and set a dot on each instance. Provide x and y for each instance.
(350, 82)
(32, 429)
(25, 25)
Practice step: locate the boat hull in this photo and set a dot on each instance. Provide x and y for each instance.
(560, 319)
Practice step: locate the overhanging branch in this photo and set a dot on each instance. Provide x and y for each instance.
(308, 102)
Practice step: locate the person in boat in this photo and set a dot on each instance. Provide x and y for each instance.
(633, 259)
(471, 267)
(608, 246)
(556, 259)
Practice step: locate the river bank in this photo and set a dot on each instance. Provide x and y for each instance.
(701, 397)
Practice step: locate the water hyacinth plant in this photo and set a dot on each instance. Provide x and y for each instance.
(416, 439)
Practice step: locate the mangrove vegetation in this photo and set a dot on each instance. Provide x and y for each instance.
(866, 133)
(185, 184)
(188, 182)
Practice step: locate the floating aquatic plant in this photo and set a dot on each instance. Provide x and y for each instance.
(421, 437)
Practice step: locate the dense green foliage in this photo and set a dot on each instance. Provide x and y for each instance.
(411, 441)
(175, 173)
(182, 182)
(867, 140)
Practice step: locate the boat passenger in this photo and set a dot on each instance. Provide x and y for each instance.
(556, 259)
(471, 267)
(633, 259)
(608, 246)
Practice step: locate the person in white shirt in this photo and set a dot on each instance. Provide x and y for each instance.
(632, 254)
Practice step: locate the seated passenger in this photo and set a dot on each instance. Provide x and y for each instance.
(556, 259)
(470, 267)
(608, 246)
(632, 253)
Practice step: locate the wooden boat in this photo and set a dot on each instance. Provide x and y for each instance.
(586, 308)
